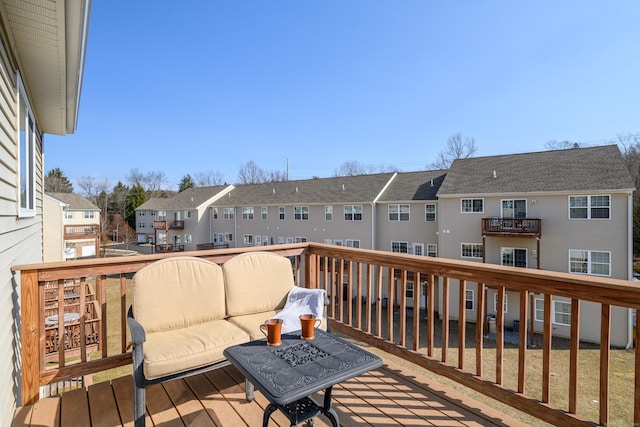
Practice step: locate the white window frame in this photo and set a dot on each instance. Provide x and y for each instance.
(400, 245)
(282, 212)
(473, 249)
(89, 214)
(410, 289)
(228, 237)
(352, 212)
(418, 249)
(301, 213)
(432, 250)
(68, 214)
(469, 297)
(281, 240)
(538, 309)
(299, 239)
(328, 213)
(247, 213)
(589, 207)
(430, 209)
(228, 213)
(247, 239)
(558, 314)
(350, 243)
(28, 140)
(187, 214)
(215, 213)
(399, 212)
(264, 212)
(162, 215)
(588, 262)
(505, 306)
(513, 208)
(187, 238)
(468, 205)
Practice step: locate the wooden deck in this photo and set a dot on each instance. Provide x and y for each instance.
(389, 396)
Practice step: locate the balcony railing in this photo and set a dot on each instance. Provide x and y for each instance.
(371, 295)
(162, 248)
(512, 227)
(207, 246)
(168, 225)
(81, 231)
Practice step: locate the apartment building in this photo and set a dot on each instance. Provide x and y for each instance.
(71, 226)
(178, 223)
(42, 75)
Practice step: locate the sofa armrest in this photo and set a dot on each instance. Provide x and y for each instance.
(138, 335)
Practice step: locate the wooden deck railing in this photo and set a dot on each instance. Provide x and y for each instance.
(369, 301)
(517, 227)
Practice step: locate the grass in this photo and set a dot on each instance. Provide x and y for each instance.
(620, 367)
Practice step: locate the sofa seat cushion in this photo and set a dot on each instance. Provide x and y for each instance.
(178, 350)
(250, 323)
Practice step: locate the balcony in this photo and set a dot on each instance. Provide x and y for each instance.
(165, 248)
(81, 231)
(512, 227)
(546, 383)
(168, 225)
(207, 246)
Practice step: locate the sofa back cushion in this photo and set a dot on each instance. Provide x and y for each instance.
(256, 282)
(178, 292)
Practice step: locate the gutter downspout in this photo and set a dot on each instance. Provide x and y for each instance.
(630, 268)
(235, 226)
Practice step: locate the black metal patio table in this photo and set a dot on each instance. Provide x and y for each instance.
(289, 374)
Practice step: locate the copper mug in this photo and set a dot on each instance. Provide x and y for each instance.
(308, 325)
(272, 328)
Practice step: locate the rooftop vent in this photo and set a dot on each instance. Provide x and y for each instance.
(273, 191)
(296, 189)
(432, 183)
(495, 175)
(342, 187)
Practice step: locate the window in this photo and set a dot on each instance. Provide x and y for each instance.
(280, 240)
(228, 237)
(430, 212)
(187, 238)
(153, 213)
(514, 257)
(265, 240)
(176, 216)
(258, 240)
(68, 215)
(432, 249)
(516, 208)
(263, 212)
(418, 249)
(28, 139)
(398, 212)
(141, 213)
(215, 213)
(300, 239)
(281, 212)
(590, 262)
(400, 247)
(328, 213)
(247, 239)
(353, 213)
(469, 300)
(88, 214)
(409, 293)
(247, 213)
(472, 205)
(562, 313)
(301, 213)
(187, 214)
(495, 303)
(539, 310)
(352, 243)
(228, 213)
(471, 250)
(589, 207)
(141, 225)
(338, 242)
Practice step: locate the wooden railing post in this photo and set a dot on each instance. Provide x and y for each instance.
(30, 336)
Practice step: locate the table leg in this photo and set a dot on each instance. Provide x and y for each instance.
(328, 410)
(267, 413)
(248, 390)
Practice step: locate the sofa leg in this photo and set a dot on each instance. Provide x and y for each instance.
(139, 407)
(248, 389)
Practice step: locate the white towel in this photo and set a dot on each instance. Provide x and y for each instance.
(300, 301)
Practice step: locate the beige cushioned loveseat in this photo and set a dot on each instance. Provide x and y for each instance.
(187, 310)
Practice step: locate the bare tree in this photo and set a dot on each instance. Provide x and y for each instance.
(91, 187)
(353, 168)
(561, 145)
(251, 173)
(457, 148)
(208, 178)
(151, 182)
(275, 176)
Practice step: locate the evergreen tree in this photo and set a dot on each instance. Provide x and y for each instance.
(137, 196)
(56, 182)
(186, 182)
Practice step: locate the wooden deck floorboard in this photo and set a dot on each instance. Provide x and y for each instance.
(389, 396)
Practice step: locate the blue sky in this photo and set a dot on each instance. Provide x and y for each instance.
(187, 87)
